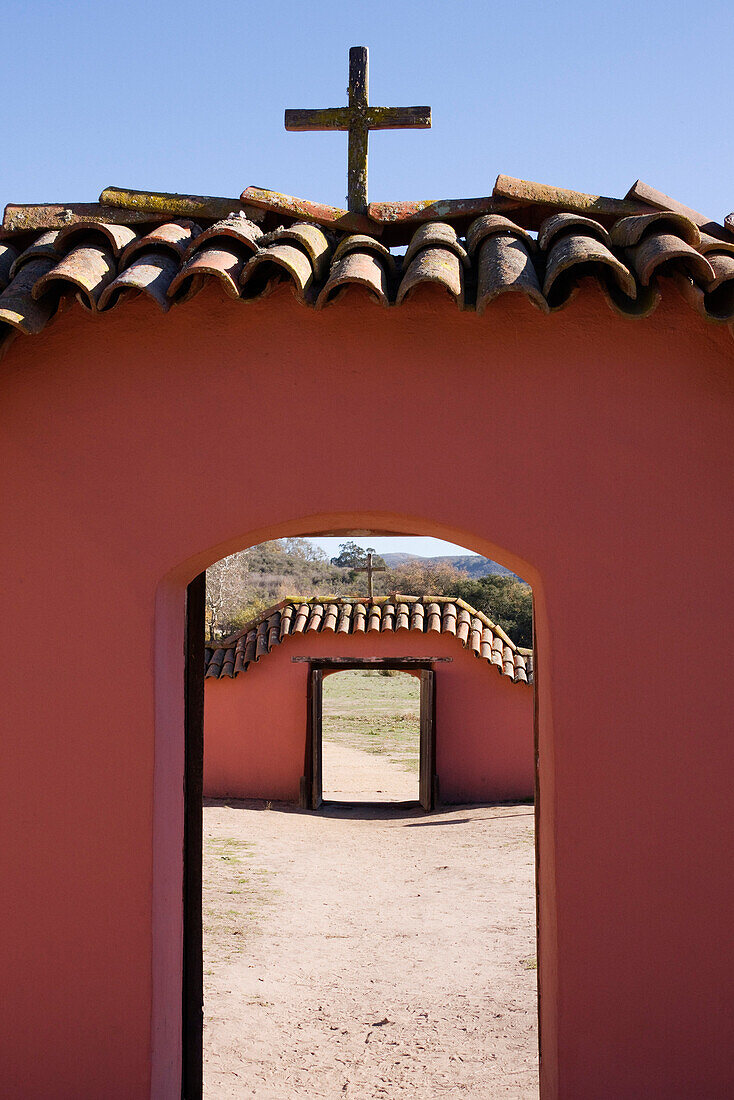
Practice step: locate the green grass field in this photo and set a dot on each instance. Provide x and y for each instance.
(374, 713)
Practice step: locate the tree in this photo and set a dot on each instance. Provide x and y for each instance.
(226, 585)
(351, 556)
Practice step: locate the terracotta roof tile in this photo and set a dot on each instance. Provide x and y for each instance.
(660, 250)
(386, 614)
(91, 232)
(503, 256)
(278, 263)
(573, 254)
(242, 235)
(84, 271)
(356, 268)
(359, 618)
(310, 239)
(173, 237)
(8, 256)
(219, 252)
(561, 225)
(43, 245)
(150, 273)
(434, 256)
(19, 307)
(632, 259)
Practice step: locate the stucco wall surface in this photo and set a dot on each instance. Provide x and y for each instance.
(590, 453)
(255, 725)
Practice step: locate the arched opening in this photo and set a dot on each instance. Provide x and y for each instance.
(166, 594)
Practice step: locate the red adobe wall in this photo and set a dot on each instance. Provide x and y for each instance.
(255, 725)
(587, 452)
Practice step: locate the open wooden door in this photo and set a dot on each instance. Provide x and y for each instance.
(428, 783)
(311, 783)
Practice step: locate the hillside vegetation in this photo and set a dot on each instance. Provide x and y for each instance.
(473, 564)
(242, 586)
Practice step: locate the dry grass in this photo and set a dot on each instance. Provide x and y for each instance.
(374, 713)
(235, 898)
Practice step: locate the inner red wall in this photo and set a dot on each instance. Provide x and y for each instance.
(255, 725)
(590, 453)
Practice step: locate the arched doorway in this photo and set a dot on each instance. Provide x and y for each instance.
(192, 985)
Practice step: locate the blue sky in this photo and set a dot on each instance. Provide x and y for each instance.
(423, 547)
(189, 97)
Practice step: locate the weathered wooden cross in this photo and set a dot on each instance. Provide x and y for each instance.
(358, 118)
(369, 569)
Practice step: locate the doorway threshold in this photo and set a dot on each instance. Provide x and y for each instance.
(408, 804)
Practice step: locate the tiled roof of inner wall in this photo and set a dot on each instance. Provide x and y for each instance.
(103, 264)
(356, 615)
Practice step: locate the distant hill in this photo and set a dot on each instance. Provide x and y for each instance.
(472, 564)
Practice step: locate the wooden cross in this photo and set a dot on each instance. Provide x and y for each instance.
(358, 119)
(369, 569)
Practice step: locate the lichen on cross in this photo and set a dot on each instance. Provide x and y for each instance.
(358, 119)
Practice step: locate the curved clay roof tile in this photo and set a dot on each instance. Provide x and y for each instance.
(436, 266)
(361, 242)
(505, 266)
(286, 620)
(171, 237)
(45, 245)
(573, 256)
(240, 234)
(19, 307)
(449, 619)
(355, 269)
(463, 624)
(402, 620)
(299, 623)
(150, 273)
(317, 614)
(436, 235)
(628, 232)
(88, 232)
(330, 618)
(310, 238)
(276, 264)
(347, 615)
(8, 256)
(250, 646)
(214, 665)
(261, 643)
(716, 301)
(433, 618)
(493, 225)
(86, 269)
(560, 224)
(374, 617)
(417, 617)
(274, 630)
(661, 252)
(217, 262)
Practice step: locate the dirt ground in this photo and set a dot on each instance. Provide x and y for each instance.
(369, 952)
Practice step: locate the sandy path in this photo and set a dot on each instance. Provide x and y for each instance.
(369, 953)
(349, 775)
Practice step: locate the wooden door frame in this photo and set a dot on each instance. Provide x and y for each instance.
(311, 796)
(192, 992)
